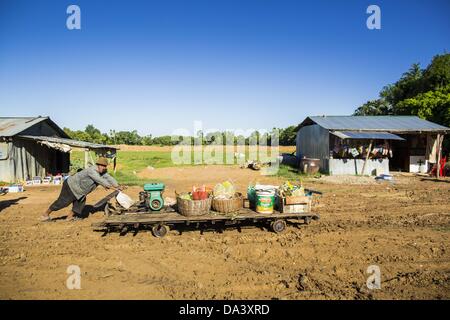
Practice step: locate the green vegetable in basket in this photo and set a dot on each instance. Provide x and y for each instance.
(224, 190)
(185, 196)
(290, 189)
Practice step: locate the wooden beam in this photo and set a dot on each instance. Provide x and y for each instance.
(367, 158)
(86, 158)
(439, 147)
(90, 156)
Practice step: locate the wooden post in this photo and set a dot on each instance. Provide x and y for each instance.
(86, 158)
(439, 146)
(90, 156)
(367, 158)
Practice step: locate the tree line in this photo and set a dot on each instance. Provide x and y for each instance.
(421, 92)
(286, 137)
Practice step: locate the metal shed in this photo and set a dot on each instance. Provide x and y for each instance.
(36, 146)
(413, 142)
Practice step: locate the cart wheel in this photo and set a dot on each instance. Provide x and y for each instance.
(278, 226)
(160, 230)
(307, 220)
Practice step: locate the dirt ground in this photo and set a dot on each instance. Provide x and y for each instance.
(403, 227)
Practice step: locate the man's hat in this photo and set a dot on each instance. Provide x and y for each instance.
(102, 161)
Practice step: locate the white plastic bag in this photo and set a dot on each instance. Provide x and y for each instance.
(124, 200)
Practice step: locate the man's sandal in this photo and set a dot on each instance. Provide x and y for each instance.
(46, 219)
(74, 219)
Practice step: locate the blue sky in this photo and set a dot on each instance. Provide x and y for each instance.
(156, 66)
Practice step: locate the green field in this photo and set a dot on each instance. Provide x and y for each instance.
(131, 162)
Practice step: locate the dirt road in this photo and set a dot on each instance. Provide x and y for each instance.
(402, 227)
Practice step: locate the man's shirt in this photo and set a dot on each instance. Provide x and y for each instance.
(84, 182)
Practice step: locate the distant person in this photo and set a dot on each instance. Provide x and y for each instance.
(447, 167)
(75, 189)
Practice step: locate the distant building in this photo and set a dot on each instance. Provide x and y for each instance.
(341, 143)
(36, 146)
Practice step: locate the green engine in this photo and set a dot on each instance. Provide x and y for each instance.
(152, 196)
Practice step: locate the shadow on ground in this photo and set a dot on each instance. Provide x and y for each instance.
(7, 203)
(435, 180)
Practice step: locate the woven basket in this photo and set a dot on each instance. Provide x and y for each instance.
(193, 207)
(228, 205)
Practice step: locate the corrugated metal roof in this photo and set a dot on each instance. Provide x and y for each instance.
(375, 123)
(70, 142)
(366, 135)
(10, 126)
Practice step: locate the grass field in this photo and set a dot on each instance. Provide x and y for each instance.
(131, 162)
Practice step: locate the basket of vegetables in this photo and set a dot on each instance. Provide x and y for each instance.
(195, 203)
(226, 199)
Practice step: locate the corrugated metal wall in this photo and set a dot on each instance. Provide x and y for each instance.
(354, 166)
(5, 160)
(27, 159)
(313, 142)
